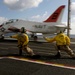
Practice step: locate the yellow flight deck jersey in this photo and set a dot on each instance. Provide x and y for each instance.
(22, 38)
(61, 39)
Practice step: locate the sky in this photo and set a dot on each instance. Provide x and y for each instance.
(35, 10)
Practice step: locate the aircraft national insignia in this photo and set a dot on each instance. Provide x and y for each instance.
(2, 29)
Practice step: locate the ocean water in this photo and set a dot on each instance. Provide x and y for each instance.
(72, 35)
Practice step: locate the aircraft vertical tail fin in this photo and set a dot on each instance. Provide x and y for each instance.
(57, 15)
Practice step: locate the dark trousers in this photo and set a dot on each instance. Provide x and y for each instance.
(65, 48)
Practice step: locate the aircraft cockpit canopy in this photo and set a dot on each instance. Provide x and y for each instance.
(10, 21)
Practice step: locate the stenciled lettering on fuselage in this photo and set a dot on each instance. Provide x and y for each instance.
(40, 26)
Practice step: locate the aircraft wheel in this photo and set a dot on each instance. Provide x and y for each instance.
(2, 37)
(32, 35)
(35, 38)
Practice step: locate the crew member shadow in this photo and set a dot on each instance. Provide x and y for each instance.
(21, 56)
(40, 57)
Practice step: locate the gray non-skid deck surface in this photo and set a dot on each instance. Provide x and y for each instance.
(47, 51)
(13, 67)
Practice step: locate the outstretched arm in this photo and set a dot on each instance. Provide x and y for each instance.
(13, 36)
(49, 39)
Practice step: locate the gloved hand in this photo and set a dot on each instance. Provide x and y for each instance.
(44, 37)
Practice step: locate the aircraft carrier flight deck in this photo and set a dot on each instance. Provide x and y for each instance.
(13, 64)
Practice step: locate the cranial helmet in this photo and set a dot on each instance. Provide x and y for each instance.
(59, 31)
(23, 30)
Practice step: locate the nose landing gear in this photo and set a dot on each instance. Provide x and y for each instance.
(1, 37)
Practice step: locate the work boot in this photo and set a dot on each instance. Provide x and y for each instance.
(35, 56)
(73, 56)
(57, 55)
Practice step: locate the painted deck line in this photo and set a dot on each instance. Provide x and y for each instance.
(2, 57)
(43, 63)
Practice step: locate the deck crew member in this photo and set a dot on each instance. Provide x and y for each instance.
(23, 41)
(62, 43)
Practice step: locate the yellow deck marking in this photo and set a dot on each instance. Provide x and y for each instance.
(43, 62)
(40, 62)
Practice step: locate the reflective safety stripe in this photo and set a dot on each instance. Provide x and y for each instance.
(21, 39)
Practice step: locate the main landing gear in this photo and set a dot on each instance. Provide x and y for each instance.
(35, 38)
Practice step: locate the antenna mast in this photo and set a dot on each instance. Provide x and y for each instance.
(68, 22)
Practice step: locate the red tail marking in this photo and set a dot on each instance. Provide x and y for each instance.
(55, 15)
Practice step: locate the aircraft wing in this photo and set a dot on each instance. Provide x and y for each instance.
(61, 27)
(14, 29)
